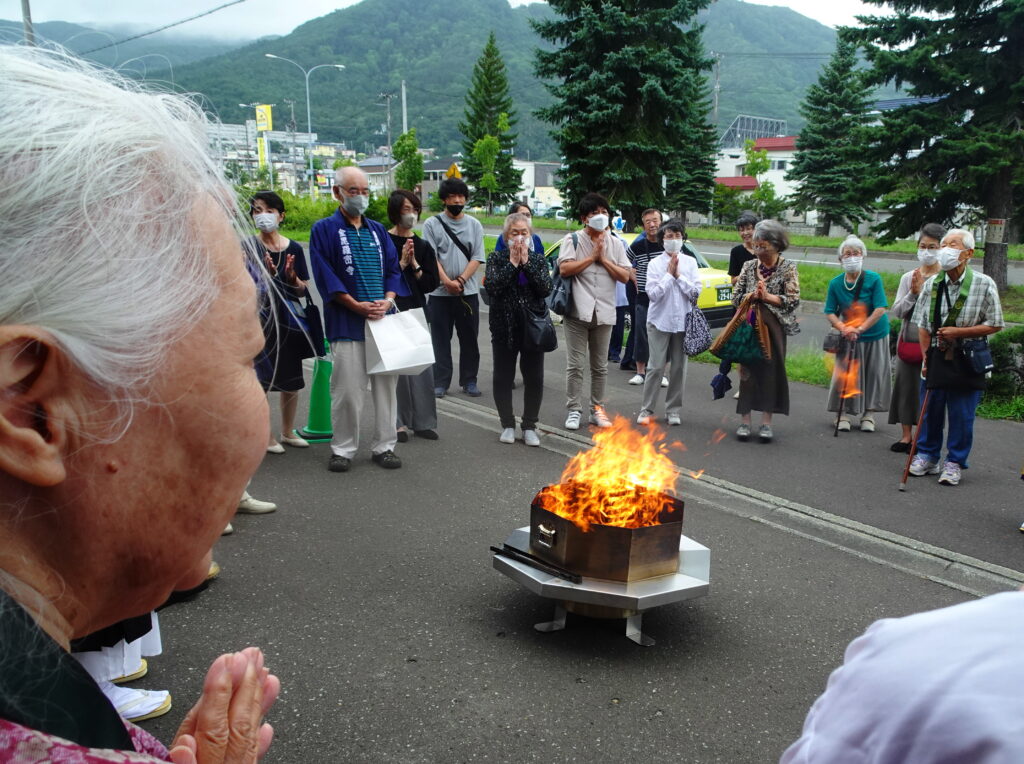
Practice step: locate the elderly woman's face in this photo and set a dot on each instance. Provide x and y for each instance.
(519, 229)
(764, 249)
(178, 472)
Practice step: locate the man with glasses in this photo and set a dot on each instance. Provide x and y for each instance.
(357, 272)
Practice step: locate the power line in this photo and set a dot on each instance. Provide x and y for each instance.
(160, 29)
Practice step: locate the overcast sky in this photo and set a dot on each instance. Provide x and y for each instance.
(255, 18)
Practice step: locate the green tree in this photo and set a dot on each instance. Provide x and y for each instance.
(342, 162)
(956, 155)
(830, 163)
(489, 112)
(485, 154)
(406, 150)
(763, 199)
(630, 102)
(727, 203)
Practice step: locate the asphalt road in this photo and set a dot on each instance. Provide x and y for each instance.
(373, 596)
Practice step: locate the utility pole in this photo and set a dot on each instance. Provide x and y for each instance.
(387, 169)
(291, 130)
(716, 88)
(405, 112)
(26, 20)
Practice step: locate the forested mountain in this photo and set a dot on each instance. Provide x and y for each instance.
(432, 45)
(142, 57)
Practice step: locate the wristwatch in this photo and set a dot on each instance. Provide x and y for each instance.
(418, 269)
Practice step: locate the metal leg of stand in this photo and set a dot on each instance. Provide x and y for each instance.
(557, 624)
(633, 624)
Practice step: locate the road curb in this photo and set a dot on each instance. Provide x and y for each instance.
(942, 566)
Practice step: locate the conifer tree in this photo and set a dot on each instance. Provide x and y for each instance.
(958, 152)
(630, 111)
(487, 103)
(830, 164)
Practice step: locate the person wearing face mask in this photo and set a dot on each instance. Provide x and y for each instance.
(417, 406)
(673, 286)
(280, 365)
(595, 260)
(522, 208)
(458, 240)
(642, 251)
(905, 406)
(518, 280)
(356, 268)
(956, 306)
(856, 306)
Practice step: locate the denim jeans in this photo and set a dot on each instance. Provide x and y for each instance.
(959, 406)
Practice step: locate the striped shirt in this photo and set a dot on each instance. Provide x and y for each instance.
(641, 252)
(982, 305)
(367, 260)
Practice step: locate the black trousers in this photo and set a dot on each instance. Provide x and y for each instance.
(531, 364)
(461, 314)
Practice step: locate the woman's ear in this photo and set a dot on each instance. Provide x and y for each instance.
(33, 410)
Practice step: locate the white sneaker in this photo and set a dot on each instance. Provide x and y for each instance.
(674, 419)
(247, 505)
(867, 424)
(664, 381)
(531, 438)
(645, 417)
(228, 530)
(636, 379)
(844, 425)
(508, 435)
(921, 466)
(950, 474)
(572, 421)
(599, 419)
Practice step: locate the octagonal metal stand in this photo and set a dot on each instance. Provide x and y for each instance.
(611, 599)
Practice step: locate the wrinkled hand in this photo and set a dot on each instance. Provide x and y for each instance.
(519, 253)
(268, 263)
(289, 271)
(226, 725)
(453, 287)
(849, 334)
(761, 291)
(407, 253)
(916, 282)
(673, 265)
(598, 253)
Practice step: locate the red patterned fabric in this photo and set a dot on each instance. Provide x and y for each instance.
(21, 745)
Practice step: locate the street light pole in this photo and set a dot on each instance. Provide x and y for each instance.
(309, 114)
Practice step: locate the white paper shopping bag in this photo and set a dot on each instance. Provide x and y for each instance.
(399, 343)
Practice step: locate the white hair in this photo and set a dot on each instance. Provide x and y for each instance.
(965, 236)
(853, 242)
(511, 220)
(99, 182)
(341, 172)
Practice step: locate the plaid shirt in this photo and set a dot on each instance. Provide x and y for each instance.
(981, 306)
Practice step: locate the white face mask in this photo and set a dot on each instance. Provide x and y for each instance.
(598, 222)
(927, 256)
(356, 205)
(409, 220)
(520, 239)
(949, 258)
(853, 264)
(672, 246)
(266, 221)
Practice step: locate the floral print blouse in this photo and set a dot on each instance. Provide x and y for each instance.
(784, 282)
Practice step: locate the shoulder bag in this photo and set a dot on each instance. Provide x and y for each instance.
(908, 350)
(538, 330)
(697, 338)
(560, 299)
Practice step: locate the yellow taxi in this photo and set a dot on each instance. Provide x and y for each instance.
(715, 299)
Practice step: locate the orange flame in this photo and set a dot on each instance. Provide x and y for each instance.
(697, 475)
(847, 379)
(856, 314)
(717, 437)
(622, 481)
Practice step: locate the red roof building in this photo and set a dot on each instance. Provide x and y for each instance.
(784, 143)
(742, 182)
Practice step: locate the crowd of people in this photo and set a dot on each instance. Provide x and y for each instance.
(143, 314)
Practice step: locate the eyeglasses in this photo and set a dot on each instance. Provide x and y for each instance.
(355, 191)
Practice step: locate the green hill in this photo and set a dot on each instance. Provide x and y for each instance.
(142, 57)
(432, 45)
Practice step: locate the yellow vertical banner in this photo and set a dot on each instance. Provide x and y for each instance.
(261, 146)
(264, 117)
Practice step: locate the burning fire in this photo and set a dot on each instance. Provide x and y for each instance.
(621, 481)
(847, 378)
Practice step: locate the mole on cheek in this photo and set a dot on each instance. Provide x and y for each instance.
(112, 467)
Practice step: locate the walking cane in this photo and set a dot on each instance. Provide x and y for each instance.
(846, 376)
(913, 441)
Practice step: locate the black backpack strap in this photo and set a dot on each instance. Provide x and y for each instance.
(458, 242)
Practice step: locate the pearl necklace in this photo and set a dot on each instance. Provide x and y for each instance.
(854, 286)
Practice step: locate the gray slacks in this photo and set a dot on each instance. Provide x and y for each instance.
(348, 395)
(666, 348)
(581, 338)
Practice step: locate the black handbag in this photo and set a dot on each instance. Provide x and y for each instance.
(307, 315)
(977, 355)
(538, 331)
